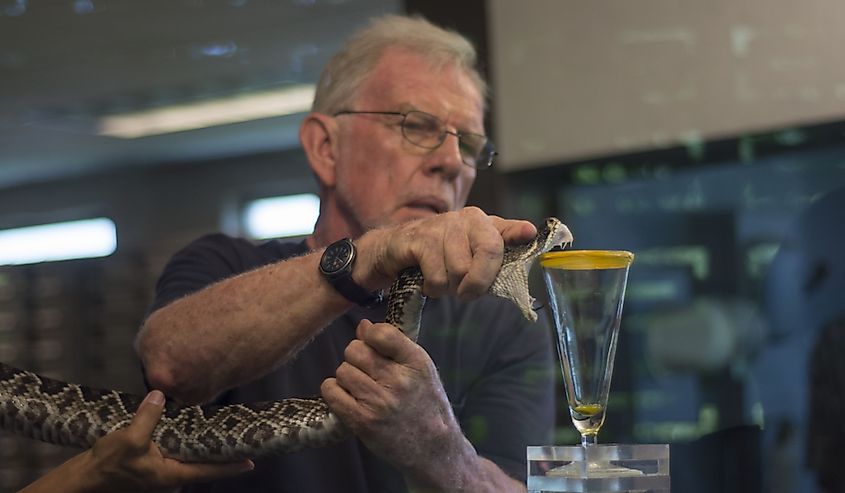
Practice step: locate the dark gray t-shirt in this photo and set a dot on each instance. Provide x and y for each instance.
(497, 370)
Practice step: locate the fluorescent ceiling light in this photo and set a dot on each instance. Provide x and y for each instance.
(58, 241)
(276, 217)
(190, 116)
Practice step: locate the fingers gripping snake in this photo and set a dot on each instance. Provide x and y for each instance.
(75, 415)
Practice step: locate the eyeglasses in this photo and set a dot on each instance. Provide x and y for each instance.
(429, 132)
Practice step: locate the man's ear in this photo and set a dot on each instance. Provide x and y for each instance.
(319, 141)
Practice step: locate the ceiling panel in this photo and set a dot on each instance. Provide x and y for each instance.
(63, 63)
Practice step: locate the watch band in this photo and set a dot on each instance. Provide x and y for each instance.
(350, 290)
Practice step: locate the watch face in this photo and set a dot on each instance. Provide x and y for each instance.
(336, 257)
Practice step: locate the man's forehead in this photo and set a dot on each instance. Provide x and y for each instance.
(405, 80)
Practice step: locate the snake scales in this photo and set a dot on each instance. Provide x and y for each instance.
(75, 415)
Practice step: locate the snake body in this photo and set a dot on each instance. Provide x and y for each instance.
(76, 415)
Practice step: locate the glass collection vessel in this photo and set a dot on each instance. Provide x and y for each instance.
(586, 291)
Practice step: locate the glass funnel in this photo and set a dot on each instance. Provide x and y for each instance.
(586, 289)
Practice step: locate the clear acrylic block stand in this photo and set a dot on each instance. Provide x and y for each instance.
(599, 468)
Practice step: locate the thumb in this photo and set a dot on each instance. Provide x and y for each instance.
(515, 231)
(147, 416)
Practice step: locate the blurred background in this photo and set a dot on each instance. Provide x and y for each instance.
(706, 137)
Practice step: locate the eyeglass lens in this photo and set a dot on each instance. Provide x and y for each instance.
(428, 131)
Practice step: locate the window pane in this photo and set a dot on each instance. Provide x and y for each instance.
(274, 217)
(58, 241)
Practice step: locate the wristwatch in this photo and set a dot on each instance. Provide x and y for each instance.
(336, 266)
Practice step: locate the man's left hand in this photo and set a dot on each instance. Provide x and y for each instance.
(388, 392)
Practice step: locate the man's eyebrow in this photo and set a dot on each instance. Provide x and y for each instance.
(404, 107)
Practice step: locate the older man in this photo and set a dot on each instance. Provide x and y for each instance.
(395, 139)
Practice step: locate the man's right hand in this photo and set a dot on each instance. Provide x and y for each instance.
(459, 253)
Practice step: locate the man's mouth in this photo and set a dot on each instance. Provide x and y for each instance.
(436, 206)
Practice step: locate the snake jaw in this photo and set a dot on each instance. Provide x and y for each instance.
(512, 285)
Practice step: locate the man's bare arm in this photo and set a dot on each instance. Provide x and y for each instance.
(237, 329)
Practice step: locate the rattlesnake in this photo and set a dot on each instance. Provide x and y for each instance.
(75, 415)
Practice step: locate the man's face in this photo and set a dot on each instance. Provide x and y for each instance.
(382, 179)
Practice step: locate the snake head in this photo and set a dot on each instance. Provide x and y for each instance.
(553, 234)
(512, 281)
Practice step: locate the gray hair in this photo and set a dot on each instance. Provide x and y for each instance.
(348, 69)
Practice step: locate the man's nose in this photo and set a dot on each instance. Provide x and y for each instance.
(447, 157)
